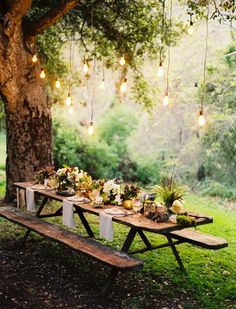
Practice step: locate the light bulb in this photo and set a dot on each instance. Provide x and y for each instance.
(34, 58)
(85, 67)
(123, 86)
(68, 100)
(57, 84)
(71, 110)
(160, 71)
(122, 60)
(190, 29)
(102, 85)
(201, 119)
(91, 128)
(166, 99)
(42, 74)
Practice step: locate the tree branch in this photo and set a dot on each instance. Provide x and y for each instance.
(39, 25)
(20, 8)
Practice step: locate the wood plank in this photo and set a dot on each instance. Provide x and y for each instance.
(200, 239)
(107, 255)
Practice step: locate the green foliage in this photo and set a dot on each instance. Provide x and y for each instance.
(213, 188)
(105, 155)
(168, 191)
(117, 125)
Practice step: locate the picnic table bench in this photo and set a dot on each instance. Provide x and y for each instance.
(118, 260)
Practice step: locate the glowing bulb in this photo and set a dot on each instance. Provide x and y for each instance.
(201, 119)
(102, 85)
(71, 110)
(123, 86)
(166, 99)
(57, 84)
(85, 67)
(34, 58)
(160, 71)
(190, 29)
(122, 60)
(42, 74)
(68, 100)
(91, 128)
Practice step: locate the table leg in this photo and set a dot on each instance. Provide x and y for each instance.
(44, 201)
(84, 221)
(176, 254)
(145, 239)
(129, 240)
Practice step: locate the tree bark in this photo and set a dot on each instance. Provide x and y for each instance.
(27, 107)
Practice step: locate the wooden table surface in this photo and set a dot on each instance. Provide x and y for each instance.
(136, 221)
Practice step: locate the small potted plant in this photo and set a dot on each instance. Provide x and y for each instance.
(129, 193)
(170, 194)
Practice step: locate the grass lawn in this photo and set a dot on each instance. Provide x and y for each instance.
(211, 275)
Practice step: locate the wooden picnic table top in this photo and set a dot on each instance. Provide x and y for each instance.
(138, 222)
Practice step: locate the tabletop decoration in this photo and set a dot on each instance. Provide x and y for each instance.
(128, 193)
(70, 180)
(170, 194)
(44, 174)
(111, 192)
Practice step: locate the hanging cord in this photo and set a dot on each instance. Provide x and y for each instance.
(71, 61)
(205, 59)
(162, 29)
(94, 64)
(169, 47)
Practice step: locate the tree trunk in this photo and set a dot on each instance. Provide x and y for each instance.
(27, 107)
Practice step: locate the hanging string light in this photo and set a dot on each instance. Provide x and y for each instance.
(201, 117)
(69, 99)
(57, 84)
(166, 95)
(190, 28)
(122, 61)
(85, 66)
(91, 124)
(160, 71)
(123, 86)
(42, 74)
(34, 58)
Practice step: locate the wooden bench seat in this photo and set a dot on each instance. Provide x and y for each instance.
(199, 239)
(116, 259)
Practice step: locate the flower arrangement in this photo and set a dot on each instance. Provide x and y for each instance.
(44, 174)
(111, 192)
(73, 178)
(129, 192)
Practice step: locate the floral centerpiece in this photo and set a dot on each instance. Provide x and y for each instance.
(111, 192)
(129, 192)
(72, 179)
(44, 174)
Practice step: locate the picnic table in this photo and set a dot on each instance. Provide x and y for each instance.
(137, 224)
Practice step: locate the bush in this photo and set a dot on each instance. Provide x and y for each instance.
(214, 188)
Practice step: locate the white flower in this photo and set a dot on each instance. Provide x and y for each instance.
(118, 199)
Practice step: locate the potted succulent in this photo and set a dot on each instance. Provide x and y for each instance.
(170, 194)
